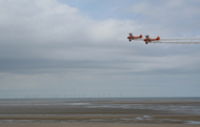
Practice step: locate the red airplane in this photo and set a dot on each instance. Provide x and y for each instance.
(147, 39)
(131, 37)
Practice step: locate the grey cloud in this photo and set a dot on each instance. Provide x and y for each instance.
(43, 37)
(180, 17)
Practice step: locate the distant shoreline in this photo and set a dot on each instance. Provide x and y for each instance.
(106, 98)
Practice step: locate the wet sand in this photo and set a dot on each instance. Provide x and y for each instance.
(97, 109)
(99, 113)
(117, 119)
(95, 125)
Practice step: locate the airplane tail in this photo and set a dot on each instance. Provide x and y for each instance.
(158, 38)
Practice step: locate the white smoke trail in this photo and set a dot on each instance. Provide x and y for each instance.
(197, 39)
(179, 41)
(171, 39)
(174, 42)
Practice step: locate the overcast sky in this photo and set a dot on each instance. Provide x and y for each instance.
(72, 48)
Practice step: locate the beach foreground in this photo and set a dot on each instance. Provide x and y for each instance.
(96, 125)
(113, 112)
(101, 119)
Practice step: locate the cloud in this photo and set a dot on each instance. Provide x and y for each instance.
(53, 31)
(44, 42)
(46, 31)
(177, 18)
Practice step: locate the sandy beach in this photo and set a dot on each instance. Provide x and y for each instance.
(97, 113)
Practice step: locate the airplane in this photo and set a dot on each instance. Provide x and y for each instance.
(131, 37)
(147, 39)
